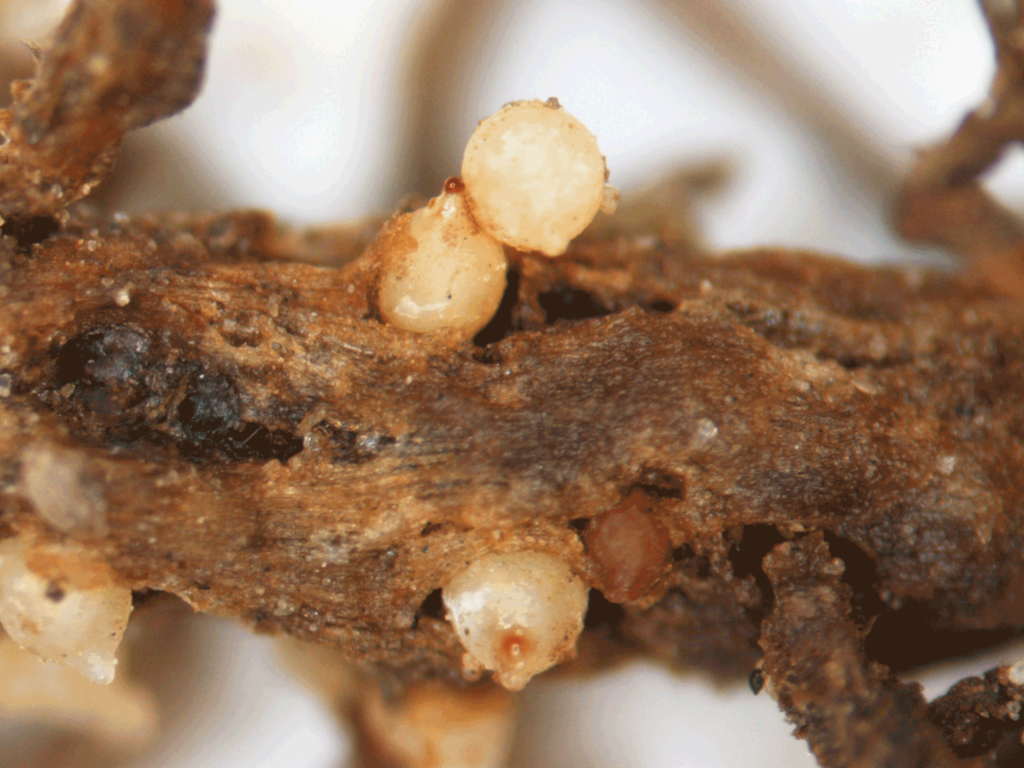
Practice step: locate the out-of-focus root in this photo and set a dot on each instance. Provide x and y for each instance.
(114, 65)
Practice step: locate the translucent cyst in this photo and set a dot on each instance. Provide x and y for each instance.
(448, 275)
(629, 548)
(517, 614)
(534, 176)
(78, 627)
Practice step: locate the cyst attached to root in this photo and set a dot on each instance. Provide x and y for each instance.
(533, 179)
(534, 176)
(629, 548)
(80, 625)
(517, 614)
(448, 276)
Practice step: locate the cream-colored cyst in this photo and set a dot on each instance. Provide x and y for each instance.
(534, 176)
(517, 614)
(57, 482)
(58, 621)
(451, 277)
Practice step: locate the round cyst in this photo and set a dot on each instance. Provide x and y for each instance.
(517, 613)
(452, 276)
(534, 176)
(629, 548)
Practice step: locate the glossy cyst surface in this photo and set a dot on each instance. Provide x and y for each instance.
(629, 548)
(517, 614)
(452, 276)
(534, 176)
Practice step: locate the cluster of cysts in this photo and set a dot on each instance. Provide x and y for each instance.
(532, 179)
(521, 613)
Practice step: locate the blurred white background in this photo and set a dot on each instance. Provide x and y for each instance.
(301, 113)
(303, 102)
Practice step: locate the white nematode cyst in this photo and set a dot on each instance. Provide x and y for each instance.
(534, 176)
(451, 275)
(78, 627)
(517, 614)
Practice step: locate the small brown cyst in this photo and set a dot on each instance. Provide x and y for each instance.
(454, 185)
(629, 547)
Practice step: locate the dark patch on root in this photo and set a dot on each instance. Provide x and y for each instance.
(432, 606)
(661, 484)
(566, 303)
(908, 638)
(29, 230)
(209, 419)
(349, 446)
(747, 558)
(860, 576)
(502, 324)
(602, 614)
(122, 388)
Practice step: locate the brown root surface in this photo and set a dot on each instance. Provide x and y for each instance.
(267, 449)
(813, 462)
(981, 716)
(851, 712)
